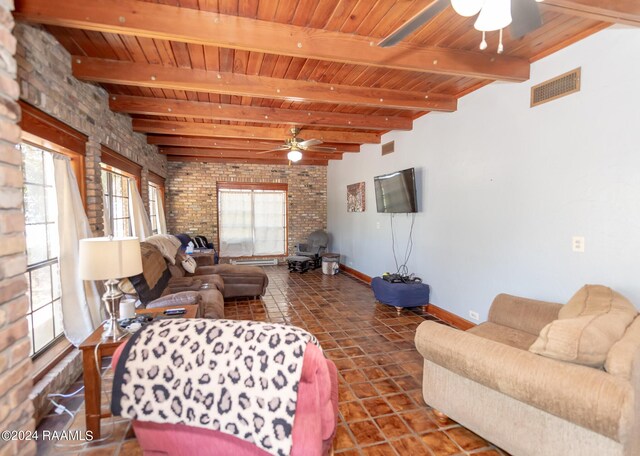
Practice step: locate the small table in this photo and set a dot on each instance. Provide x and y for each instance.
(91, 376)
(298, 263)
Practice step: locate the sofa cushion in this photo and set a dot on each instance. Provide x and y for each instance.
(621, 357)
(185, 298)
(155, 275)
(504, 335)
(594, 319)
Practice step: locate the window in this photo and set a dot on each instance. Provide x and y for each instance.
(116, 201)
(154, 194)
(41, 213)
(252, 219)
(156, 201)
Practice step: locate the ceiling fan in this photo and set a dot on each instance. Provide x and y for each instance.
(523, 17)
(294, 146)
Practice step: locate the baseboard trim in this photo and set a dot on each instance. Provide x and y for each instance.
(357, 274)
(439, 312)
(450, 318)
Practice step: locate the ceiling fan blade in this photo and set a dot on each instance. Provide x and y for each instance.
(277, 149)
(319, 149)
(414, 23)
(526, 18)
(309, 142)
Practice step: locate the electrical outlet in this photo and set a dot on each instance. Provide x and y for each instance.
(577, 244)
(377, 225)
(474, 315)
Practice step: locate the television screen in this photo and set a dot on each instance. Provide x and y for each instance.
(396, 192)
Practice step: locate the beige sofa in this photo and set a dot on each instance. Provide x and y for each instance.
(487, 380)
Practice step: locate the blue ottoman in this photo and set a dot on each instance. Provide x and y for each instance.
(400, 295)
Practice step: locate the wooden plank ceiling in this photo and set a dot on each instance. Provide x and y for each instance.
(223, 80)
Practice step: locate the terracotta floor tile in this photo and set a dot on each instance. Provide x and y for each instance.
(343, 439)
(351, 452)
(440, 444)
(400, 402)
(466, 439)
(354, 376)
(353, 411)
(130, 448)
(345, 394)
(407, 383)
(364, 390)
(386, 386)
(366, 432)
(374, 373)
(419, 421)
(392, 426)
(410, 446)
(377, 406)
(383, 449)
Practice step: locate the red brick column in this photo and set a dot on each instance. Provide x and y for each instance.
(16, 410)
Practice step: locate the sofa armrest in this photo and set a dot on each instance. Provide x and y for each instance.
(523, 314)
(582, 395)
(184, 298)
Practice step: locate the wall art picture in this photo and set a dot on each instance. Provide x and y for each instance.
(355, 197)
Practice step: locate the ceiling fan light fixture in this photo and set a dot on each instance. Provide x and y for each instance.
(495, 15)
(294, 155)
(467, 8)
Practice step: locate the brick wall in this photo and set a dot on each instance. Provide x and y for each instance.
(46, 81)
(15, 365)
(191, 195)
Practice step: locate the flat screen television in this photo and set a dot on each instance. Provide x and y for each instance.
(396, 192)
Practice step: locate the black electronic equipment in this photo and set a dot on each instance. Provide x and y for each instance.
(396, 192)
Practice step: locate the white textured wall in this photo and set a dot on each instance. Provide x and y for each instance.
(504, 187)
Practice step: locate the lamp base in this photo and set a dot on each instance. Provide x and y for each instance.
(111, 299)
(113, 331)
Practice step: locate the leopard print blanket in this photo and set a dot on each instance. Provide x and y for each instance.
(236, 377)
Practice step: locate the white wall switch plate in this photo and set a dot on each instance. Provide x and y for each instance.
(577, 243)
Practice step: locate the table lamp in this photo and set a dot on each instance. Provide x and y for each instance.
(110, 259)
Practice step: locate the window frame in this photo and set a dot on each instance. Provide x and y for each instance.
(257, 186)
(158, 182)
(115, 163)
(48, 133)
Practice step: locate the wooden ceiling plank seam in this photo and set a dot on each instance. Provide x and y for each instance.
(182, 24)
(139, 74)
(191, 109)
(214, 130)
(304, 12)
(374, 17)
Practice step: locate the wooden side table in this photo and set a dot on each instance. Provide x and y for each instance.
(91, 374)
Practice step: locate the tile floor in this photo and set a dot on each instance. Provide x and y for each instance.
(381, 406)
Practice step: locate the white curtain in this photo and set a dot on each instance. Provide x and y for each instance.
(252, 223)
(80, 299)
(236, 223)
(162, 222)
(140, 223)
(269, 222)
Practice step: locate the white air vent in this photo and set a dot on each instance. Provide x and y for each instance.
(388, 148)
(558, 87)
(257, 262)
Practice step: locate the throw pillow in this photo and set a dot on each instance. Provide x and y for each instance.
(595, 318)
(189, 265)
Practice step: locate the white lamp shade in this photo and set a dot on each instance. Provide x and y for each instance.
(495, 15)
(467, 8)
(109, 258)
(294, 155)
